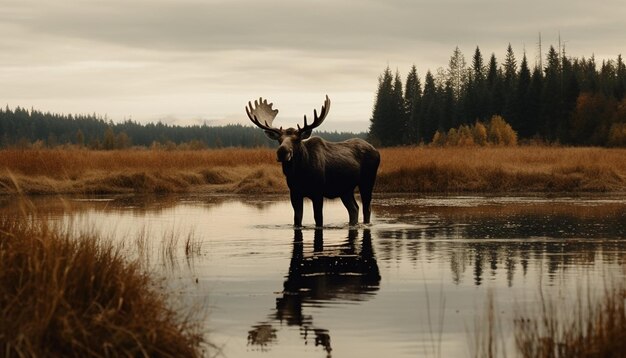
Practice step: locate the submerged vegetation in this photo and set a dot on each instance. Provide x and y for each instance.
(62, 295)
(404, 169)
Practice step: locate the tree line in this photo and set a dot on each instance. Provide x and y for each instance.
(23, 128)
(565, 100)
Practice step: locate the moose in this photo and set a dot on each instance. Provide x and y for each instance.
(318, 169)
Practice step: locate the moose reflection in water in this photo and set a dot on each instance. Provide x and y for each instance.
(348, 272)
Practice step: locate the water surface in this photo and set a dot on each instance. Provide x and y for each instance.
(414, 283)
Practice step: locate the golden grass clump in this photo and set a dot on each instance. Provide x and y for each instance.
(79, 297)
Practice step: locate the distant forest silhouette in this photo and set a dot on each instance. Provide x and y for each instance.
(24, 128)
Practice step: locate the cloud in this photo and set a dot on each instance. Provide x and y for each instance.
(205, 59)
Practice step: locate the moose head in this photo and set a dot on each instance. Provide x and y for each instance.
(262, 114)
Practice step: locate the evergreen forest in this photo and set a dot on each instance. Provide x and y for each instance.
(24, 128)
(563, 100)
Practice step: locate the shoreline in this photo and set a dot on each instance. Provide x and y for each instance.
(420, 170)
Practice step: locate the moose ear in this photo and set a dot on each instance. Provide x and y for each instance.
(305, 134)
(272, 135)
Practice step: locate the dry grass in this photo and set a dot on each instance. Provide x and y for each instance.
(406, 169)
(593, 329)
(502, 169)
(78, 297)
(593, 326)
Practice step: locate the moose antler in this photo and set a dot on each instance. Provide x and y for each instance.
(316, 120)
(263, 115)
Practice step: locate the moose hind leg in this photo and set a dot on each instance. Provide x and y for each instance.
(349, 202)
(366, 199)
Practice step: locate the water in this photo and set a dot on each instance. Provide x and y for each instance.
(414, 283)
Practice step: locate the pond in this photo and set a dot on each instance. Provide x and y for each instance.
(416, 282)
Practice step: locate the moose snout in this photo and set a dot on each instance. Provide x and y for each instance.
(283, 154)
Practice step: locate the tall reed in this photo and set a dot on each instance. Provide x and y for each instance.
(62, 295)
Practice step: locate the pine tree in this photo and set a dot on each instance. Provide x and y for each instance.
(510, 69)
(534, 102)
(570, 90)
(478, 66)
(494, 86)
(429, 110)
(388, 117)
(511, 108)
(524, 125)
(620, 85)
(551, 95)
(447, 117)
(477, 98)
(412, 99)
(398, 116)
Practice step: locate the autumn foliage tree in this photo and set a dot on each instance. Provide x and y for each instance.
(495, 132)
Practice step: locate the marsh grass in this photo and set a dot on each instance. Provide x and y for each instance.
(488, 336)
(593, 325)
(67, 295)
(501, 169)
(193, 247)
(250, 171)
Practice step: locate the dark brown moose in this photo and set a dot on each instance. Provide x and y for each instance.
(318, 169)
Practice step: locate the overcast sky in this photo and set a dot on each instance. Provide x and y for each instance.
(186, 60)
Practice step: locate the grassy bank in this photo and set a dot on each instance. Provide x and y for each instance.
(78, 296)
(420, 169)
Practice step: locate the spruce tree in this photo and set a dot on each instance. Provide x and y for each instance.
(477, 97)
(570, 91)
(534, 102)
(412, 97)
(429, 108)
(398, 115)
(524, 125)
(551, 95)
(620, 85)
(387, 122)
(494, 86)
(511, 107)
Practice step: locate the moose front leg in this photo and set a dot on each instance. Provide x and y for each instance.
(296, 202)
(318, 203)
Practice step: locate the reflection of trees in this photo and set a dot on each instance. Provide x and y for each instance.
(348, 272)
(488, 243)
(134, 203)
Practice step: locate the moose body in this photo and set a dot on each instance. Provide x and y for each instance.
(318, 169)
